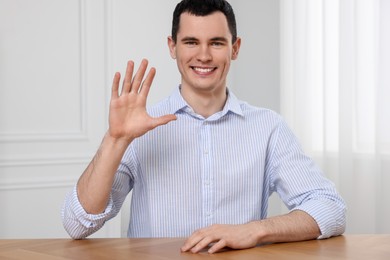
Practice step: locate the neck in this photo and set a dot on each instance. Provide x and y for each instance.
(205, 103)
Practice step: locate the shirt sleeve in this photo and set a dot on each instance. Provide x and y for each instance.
(301, 184)
(78, 223)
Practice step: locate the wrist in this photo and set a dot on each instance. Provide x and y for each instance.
(260, 232)
(116, 141)
(264, 231)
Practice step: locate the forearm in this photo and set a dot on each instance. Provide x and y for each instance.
(94, 186)
(294, 226)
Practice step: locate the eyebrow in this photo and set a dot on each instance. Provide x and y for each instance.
(185, 39)
(215, 39)
(219, 39)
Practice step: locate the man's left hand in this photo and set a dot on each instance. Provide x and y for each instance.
(221, 236)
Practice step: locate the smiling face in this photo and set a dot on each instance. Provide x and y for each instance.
(203, 51)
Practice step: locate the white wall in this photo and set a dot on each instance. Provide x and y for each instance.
(57, 59)
(52, 107)
(255, 75)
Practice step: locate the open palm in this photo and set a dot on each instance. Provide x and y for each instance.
(128, 118)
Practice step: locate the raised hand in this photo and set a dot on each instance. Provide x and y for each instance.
(128, 118)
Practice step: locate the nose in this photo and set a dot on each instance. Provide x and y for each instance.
(204, 54)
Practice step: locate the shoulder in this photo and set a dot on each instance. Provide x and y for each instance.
(250, 112)
(260, 114)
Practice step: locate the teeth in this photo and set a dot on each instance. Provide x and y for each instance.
(203, 70)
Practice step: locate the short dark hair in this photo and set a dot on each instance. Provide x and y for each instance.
(203, 8)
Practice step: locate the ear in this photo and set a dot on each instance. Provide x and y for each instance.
(172, 47)
(236, 48)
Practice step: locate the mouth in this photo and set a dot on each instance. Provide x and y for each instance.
(203, 70)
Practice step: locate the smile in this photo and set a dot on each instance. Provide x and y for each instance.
(203, 70)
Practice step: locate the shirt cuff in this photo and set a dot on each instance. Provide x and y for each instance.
(90, 220)
(329, 216)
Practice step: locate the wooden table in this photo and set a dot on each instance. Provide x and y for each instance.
(343, 247)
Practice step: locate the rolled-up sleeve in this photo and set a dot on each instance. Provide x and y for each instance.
(77, 222)
(329, 215)
(302, 185)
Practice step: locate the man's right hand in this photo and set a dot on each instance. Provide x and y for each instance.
(128, 118)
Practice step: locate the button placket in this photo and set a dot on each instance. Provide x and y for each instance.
(207, 189)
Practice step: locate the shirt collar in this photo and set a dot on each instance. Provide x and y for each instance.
(178, 104)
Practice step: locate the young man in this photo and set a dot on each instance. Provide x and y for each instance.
(201, 163)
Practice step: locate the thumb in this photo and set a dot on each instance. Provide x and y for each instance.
(163, 120)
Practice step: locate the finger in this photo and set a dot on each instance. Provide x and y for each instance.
(136, 83)
(115, 85)
(191, 242)
(126, 87)
(217, 246)
(148, 82)
(163, 120)
(205, 242)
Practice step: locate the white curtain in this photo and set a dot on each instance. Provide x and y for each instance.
(335, 94)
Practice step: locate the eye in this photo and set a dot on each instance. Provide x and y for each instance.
(190, 43)
(217, 44)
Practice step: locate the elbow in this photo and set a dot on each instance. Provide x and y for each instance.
(72, 226)
(74, 230)
(337, 223)
(76, 235)
(341, 221)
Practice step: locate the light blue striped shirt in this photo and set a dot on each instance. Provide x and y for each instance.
(195, 172)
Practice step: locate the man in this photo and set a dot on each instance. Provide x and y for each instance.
(201, 163)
